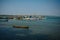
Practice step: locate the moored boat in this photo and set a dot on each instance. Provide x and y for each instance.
(3, 20)
(26, 27)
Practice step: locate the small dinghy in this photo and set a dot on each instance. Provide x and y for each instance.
(26, 27)
(3, 20)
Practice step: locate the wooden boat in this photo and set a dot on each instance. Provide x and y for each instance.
(26, 27)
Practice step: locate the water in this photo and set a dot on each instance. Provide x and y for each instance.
(47, 29)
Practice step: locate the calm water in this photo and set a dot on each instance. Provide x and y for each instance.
(47, 29)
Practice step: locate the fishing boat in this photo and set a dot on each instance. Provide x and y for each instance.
(26, 27)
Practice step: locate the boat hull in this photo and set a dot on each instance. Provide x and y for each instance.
(25, 27)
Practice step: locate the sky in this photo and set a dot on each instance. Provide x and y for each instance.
(30, 7)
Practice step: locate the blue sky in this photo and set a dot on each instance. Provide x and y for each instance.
(30, 7)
